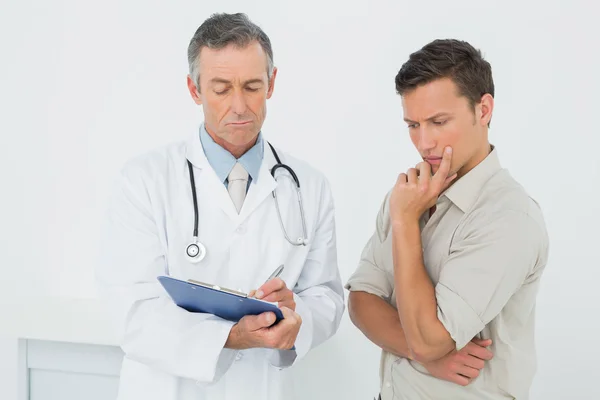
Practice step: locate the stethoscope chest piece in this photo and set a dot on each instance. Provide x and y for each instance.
(195, 251)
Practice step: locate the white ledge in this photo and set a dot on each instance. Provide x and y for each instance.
(59, 319)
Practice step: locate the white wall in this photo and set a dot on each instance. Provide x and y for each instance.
(87, 85)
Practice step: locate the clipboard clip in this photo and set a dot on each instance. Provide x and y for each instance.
(219, 288)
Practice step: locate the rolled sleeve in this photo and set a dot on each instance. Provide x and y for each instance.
(486, 266)
(370, 275)
(457, 316)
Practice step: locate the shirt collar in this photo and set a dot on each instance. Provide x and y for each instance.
(223, 161)
(465, 191)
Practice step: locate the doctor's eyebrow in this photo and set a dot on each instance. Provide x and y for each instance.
(228, 82)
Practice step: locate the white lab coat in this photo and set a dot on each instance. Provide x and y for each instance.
(171, 354)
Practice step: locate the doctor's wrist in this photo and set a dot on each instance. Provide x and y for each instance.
(235, 340)
(250, 331)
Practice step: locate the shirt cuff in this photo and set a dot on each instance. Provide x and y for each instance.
(458, 317)
(373, 287)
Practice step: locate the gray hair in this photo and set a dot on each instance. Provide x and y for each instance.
(221, 30)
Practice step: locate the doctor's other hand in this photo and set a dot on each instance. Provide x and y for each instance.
(464, 365)
(258, 331)
(276, 290)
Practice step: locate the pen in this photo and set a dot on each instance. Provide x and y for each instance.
(274, 275)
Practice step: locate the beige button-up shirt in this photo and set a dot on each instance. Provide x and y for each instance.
(484, 249)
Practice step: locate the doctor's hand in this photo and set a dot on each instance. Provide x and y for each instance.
(275, 290)
(257, 331)
(462, 366)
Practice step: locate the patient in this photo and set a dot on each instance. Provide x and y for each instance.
(451, 274)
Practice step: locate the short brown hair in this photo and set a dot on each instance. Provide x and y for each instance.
(448, 58)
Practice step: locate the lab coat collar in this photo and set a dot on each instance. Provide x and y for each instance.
(195, 153)
(263, 187)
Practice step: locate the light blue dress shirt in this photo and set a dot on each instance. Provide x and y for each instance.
(223, 161)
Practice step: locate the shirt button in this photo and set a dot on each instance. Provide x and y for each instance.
(241, 229)
(239, 356)
(388, 385)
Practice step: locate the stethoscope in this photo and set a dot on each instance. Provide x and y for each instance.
(196, 251)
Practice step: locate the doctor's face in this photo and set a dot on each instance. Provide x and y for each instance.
(234, 88)
(437, 116)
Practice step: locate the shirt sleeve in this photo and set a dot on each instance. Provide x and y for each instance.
(487, 265)
(370, 276)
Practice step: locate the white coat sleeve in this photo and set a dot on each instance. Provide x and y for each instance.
(319, 293)
(151, 328)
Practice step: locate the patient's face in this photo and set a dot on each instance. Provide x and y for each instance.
(437, 116)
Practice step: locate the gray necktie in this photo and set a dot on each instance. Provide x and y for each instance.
(238, 182)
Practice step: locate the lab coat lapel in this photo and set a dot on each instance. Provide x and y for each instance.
(207, 181)
(262, 187)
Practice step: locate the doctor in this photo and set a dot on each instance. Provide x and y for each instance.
(214, 209)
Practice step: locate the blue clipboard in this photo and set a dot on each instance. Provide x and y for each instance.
(228, 304)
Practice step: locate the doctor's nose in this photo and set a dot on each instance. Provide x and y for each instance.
(238, 104)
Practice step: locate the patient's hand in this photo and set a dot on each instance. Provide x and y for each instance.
(462, 366)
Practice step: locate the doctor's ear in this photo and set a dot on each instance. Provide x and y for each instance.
(194, 90)
(272, 83)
